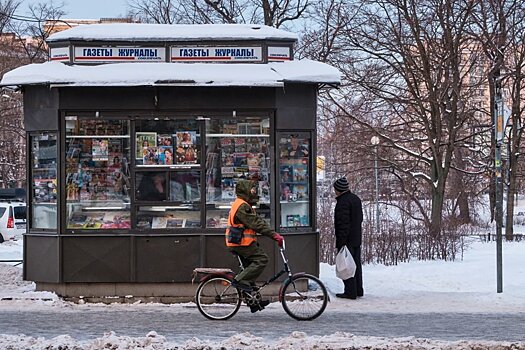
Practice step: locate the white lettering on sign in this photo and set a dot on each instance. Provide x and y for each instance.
(59, 54)
(279, 53)
(216, 53)
(120, 54)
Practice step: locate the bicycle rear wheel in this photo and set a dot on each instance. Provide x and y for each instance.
(217, 300)
(304, 297)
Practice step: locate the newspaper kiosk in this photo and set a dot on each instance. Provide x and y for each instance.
(136, 137)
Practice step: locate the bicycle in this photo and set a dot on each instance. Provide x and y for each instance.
(303, 296)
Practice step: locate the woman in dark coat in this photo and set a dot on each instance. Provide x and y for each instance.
(348, 217)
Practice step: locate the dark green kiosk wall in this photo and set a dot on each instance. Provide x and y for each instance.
(60, 257)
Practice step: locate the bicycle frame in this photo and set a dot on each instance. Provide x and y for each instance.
(286, 269)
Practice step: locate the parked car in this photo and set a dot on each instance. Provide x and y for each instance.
(12, 213)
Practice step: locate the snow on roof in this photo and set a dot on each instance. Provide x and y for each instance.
(171, 32)
(273, 74)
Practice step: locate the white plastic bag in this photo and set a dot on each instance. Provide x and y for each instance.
(344, 264)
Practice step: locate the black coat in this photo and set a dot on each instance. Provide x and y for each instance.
(348, 217)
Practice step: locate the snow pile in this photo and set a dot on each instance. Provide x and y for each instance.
(148, 32)
(272, 74)
(11, 276)
(295, 341)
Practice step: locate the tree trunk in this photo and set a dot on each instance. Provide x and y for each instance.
(509, 218)
(513, 163)
(459, 184)
(436, 217)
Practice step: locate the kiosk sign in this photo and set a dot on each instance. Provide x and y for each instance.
(278, 53)
(59, 54)
(216, 54)
(120, 54)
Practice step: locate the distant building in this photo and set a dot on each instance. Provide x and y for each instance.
(57, 25)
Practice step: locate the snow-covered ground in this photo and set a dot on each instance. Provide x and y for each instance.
(467, 286)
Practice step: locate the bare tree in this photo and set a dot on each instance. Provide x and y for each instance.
(500, 30)
(7, 10)
(22, 42)
(31, 32)
(407, 74)
(272, 13)
(515, 66)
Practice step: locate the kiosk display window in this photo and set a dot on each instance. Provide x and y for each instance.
(168, 173)
(97, 174)
(236, 149)
(294, 173)
(44, 176)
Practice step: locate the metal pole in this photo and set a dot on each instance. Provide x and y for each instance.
(375, 141)
(498, 121)
(378, 228)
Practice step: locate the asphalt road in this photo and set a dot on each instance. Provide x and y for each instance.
(179, 326)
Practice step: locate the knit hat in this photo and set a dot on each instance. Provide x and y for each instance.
(341, 185)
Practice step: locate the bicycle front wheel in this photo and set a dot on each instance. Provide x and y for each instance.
(304, 297)
(217, 300)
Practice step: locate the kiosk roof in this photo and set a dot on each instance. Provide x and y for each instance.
(143, 32)
(272, 74)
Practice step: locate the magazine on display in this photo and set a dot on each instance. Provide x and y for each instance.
(145, 140)
(186, 151)
(165, 155)
(159, 222)
(192, 223)
(299, 173)
(99, 149)
(286, 173)
(117, 220)
(301, 192)
(164, 140)
(228, 188)
(150, 156)
(175, 223)
(240, 145)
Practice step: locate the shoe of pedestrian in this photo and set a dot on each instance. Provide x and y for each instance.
(345, 296)
(259, 306)
(241, 286)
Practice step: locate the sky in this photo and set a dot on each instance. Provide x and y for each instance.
(85, 9)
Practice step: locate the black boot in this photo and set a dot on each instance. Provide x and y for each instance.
(259, 306)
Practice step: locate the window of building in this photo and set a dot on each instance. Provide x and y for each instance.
(168, 173)
(161, 176)
(294, 183)
(97, 174)
(236, 149)
(44, 181)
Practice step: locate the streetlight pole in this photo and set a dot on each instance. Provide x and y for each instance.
(499, 129)
(375, 141)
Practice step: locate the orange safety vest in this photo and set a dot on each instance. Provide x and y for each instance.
(249, 235)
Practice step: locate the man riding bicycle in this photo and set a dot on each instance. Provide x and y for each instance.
(241, 239)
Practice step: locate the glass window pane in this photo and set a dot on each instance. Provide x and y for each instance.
(236, 149)
(168, 217)
(167, 142)
(294, 184)
(97, 174)
(44, 174)
(185, 186)
(151, 186)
